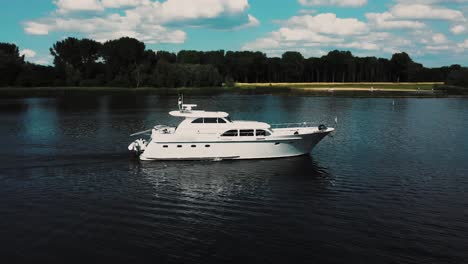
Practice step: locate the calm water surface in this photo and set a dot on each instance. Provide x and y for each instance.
(389, 187)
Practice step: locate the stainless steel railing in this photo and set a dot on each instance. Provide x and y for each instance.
(292, 125)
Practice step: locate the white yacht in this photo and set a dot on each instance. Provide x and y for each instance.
(204, 135)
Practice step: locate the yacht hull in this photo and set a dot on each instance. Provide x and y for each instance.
(259, 148)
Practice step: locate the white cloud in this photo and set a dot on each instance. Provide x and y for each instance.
(252, 22)
(146, 20)
(312, 31)
(426, 41)
(307, 11)
(463, 45)
(326, 31)
(431, 1)
(439, 38)
(359, 45)
(163, 11)
(263, 43)
(424, 11)
(407, 25)
(43, 60)
(147, 33)
(66, 6)
(385, 42)
(439, 47)
(387, 20)
(123, 3)
(28, 53)
(349, 3)
(36, 28)
(327, 23)
(111, 27)
(32, 56)
(180, 10)
(405, 15)
(458, 29)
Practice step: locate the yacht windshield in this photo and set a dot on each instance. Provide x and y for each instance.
(262, 133)
(210, 120)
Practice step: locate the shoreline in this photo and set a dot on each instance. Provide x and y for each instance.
(430, 90)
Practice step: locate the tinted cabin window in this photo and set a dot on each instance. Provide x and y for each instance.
(211, 120)
(247, 133)
(230, 133)
(261, 133)
(221, 121)
(198, 121)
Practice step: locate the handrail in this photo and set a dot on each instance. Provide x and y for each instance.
(291, 125)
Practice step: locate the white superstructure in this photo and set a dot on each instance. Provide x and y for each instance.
(213, 135)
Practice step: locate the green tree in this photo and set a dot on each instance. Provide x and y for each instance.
(458, 77)
(292, 64)
(401, 62)
(33, 75)
(10, 63)
(123, 58)
(76, 59)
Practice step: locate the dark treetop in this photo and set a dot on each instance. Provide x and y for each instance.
(126, 62)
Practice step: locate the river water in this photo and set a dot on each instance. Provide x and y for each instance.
(390, 186)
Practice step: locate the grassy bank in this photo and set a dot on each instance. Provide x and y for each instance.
(426, 89)
(345, 86)
(312, 89)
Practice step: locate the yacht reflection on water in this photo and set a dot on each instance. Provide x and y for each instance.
(228, 178)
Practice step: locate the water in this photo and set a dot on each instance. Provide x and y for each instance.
(389, 187)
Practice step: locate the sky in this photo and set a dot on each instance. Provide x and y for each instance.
(432, 32)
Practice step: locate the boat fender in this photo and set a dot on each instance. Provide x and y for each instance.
(141, 144)
(322, 127)
(131, 147)
(138, 145)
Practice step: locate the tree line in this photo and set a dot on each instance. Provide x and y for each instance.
(126, 62)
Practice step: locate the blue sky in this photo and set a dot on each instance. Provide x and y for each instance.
(433, 32)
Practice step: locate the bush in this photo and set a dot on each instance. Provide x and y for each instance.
(458, 78)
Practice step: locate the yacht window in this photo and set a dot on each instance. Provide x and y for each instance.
(194, 146)
(207, 146)
(230, 133)
(198, 121)
(247, 133)
(211, 120)
(261, 133)
(179, 146)
(165, 146)
(221, 121)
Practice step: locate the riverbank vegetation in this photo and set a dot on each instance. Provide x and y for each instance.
(316, 89)
(126, 63)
